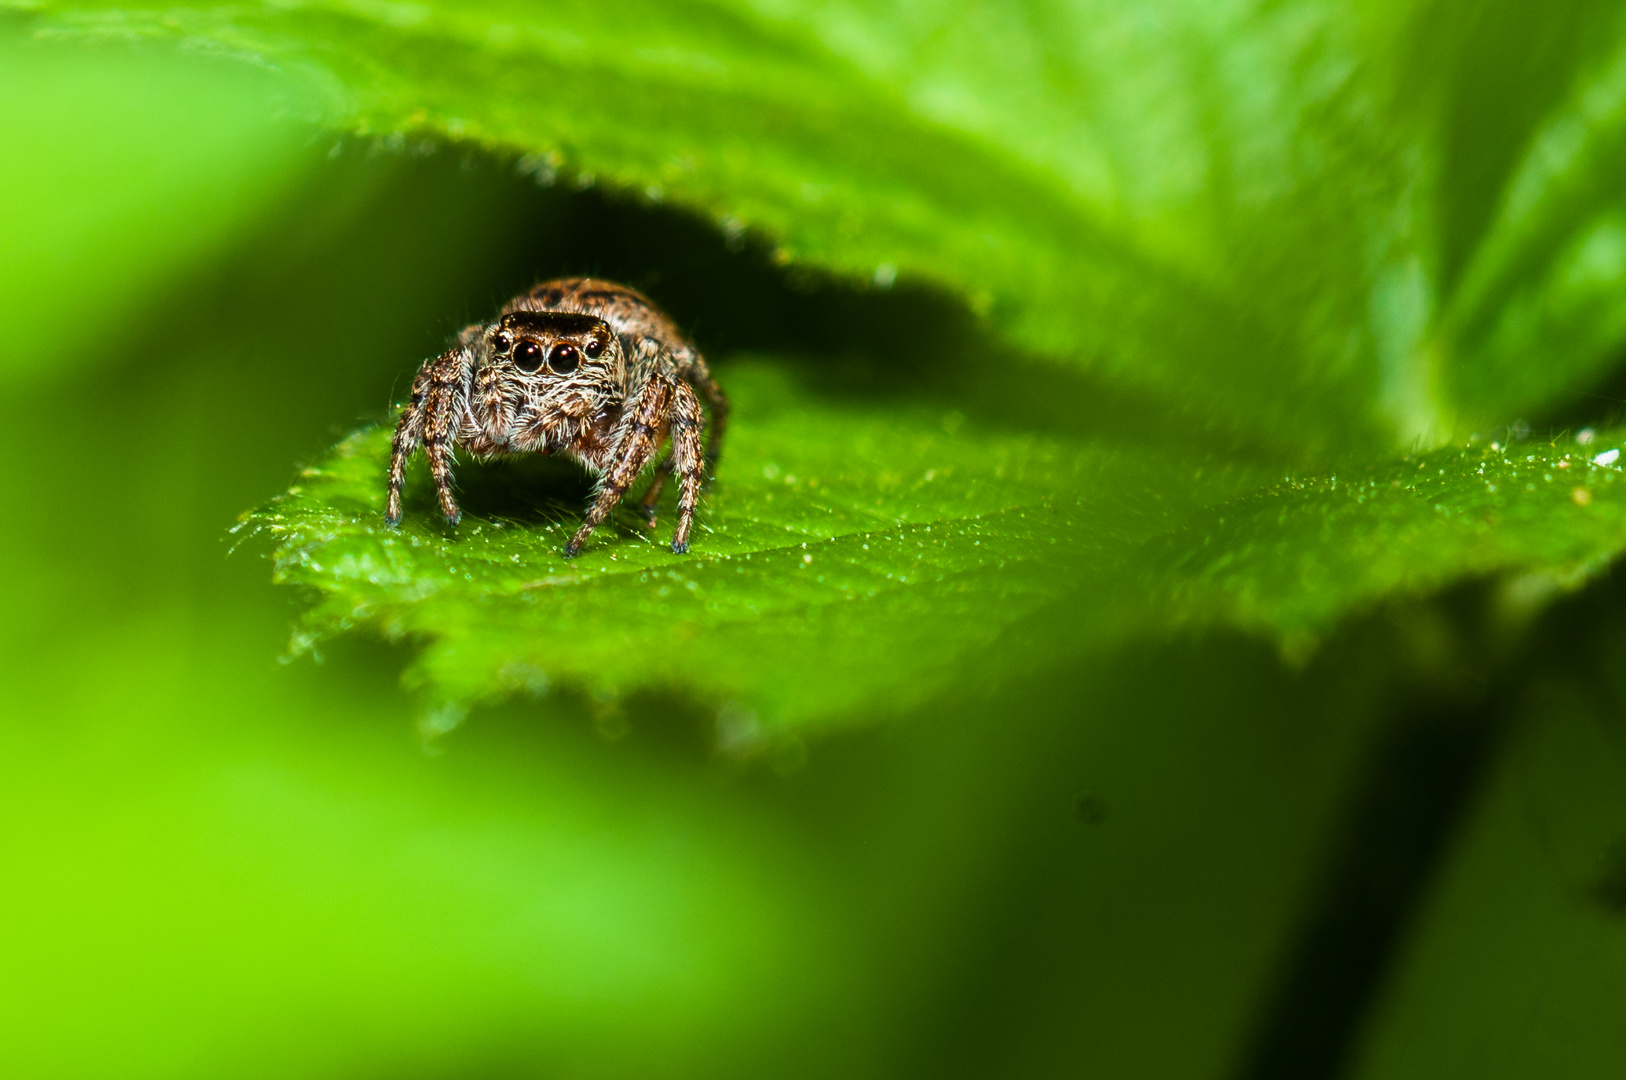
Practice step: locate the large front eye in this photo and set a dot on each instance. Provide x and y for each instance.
(527, 356)
(564, 358)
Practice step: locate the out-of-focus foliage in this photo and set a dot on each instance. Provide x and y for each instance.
(1140, 346)
(117, 176)
(1331, 224)
(1521, 963)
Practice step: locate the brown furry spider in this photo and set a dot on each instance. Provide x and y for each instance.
(586, 368)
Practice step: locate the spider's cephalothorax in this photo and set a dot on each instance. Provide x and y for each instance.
(585, 368)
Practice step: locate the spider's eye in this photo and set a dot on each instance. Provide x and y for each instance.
(527, 356)
(594, 348)
(564, 358)
(500, 343)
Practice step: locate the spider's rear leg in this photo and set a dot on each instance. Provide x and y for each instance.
(647, 505)
(688, 460)
(698, 374)
(635, 445)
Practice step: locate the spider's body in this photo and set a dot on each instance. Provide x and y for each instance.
(585, 368)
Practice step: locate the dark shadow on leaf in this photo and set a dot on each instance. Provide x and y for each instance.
(383, 256)
(528, 490)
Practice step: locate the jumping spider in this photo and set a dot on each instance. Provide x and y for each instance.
(586, 368)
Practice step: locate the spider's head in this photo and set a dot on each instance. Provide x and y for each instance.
(552, 343)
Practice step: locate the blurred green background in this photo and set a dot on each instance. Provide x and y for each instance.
(1190, 853)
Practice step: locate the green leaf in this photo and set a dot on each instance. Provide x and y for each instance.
(1292, 559)
(858, 560)
(1274, 222)
(1116, 191)
(1525, 124)
(854, 558)
(1332, 227)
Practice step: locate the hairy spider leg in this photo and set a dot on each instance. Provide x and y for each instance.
(692, 366)
(441, 418)
(635, 443)
(408, 434)
(687, 425)
(487, 402)
(688, 460)
(652, 494)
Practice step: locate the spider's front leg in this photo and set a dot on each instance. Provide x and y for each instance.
(635, 444)
(408, 436)
(432, 420)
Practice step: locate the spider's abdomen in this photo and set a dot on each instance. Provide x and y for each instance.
(629, 312)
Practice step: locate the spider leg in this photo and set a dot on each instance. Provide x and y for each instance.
(635, 444)
(694, 369)
(688, 461)
(408, 435)
(646, 505)
(440, 427)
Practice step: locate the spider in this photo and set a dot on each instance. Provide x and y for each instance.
(586, 368)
